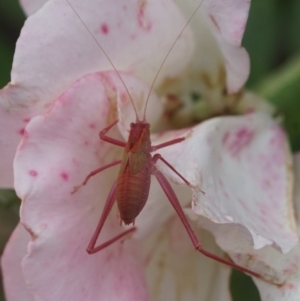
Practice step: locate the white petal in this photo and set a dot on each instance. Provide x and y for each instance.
(218, 28)
(32, 6)
(243, 165)
(175, 271)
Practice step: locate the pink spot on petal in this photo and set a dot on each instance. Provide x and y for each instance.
(104, 28)
(287, 271)
(225, 137)
(26, 120)
(33, 173)
(133, 37)
(22, 131)
(235, 142)
(64, 176)
(142, 19)
(290, 286)
(92, 125)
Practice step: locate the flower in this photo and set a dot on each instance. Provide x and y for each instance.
(61, 96)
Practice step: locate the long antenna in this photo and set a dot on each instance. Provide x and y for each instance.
(89, 31)
(164, 60)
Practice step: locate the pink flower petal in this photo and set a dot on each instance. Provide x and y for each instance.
(13, 280)
(58, 151)
(218, 32)
(281, 269)
(32, 6)
(229, 18)
(175, 271)
(12, 128)
(228, 21)
(285, 267)
(237, 65)
(55, 49)
(243, 165)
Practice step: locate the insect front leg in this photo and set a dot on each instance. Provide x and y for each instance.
(95, 172)
(176, 205)
(91, 249)
(103, 136)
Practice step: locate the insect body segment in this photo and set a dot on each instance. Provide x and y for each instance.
(134, 178)
(131, 190)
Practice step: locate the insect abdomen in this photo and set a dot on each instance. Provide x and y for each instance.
(132, 192)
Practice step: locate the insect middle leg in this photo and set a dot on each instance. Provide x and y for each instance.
(91, 249)
(176, 205)
(95, 172)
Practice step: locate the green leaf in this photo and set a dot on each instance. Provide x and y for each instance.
(12, 16)
(242, 287)
(6, 57)
(9, 218)
(294, 27)
(11, 21)
(260, 38)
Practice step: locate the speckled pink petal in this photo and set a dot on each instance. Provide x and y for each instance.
(288, 265)
(57, 152)
(12, 128)
(283, 269)
(55, 49)
(243, 164)
(175, 271)
(32, 6)
(286, 268)
(13, 280)
(227, 22)
(219, 29)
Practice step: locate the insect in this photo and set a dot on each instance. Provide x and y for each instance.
(131, 189)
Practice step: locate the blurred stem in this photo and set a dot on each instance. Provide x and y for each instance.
(281, 81)
(282, 89)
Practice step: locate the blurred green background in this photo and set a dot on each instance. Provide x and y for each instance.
(273, 41)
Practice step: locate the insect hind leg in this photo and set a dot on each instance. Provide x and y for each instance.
(157, 157)
(91, 249)
(176, 205)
